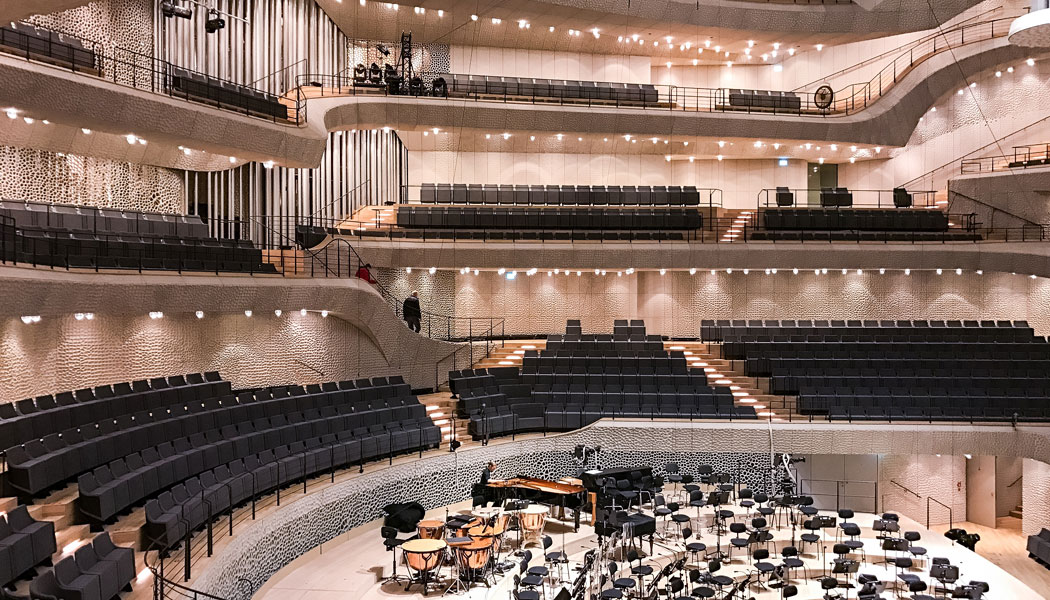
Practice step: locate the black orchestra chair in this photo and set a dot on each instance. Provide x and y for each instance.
(852, 531)
(912, 537)
(391, 542)
(531, 582)
(918, 586)
(641, 571)
(759, 561)
(700, 591)
(520, 594)
(762, 506)
(746, 497)
(829, 584)
(679, 519)
(673, 475)
(556, 560)
(611, 593)
(791, 561)
(693, 548)
(739, 542)
(539, 570)
(719, 581)
(813, 535)
(788, 591)
(624, 584)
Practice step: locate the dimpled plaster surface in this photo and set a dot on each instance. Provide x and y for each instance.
(360, 338)
(1035, 496)
(674, 304)
(443, 478)
(39, 176)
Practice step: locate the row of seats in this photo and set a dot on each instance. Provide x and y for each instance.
(634, 349)
(765, 100)
(552, 89)
(98, 570)
(709, 327)
(871, 367)
(35, 418)
(787, 385)
(573, 416)
(89, 238)
(466, 379)
(105, 220)
(865, 236)
(861, 219)
(42, 44)
(666, 363)
(42, 464)
(203, 88)
(519, 236)
(559, 195)
(548, 218)
(24, 544)
(193, 503)
(849, 405)
(833, 335)
(110, 489)
(131, 251)
(883, 349)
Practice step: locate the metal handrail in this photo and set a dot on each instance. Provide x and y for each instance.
(848, 100)
(140, 71)
(764, 195)
(1019, 478)
(951, 518)
(906, 489)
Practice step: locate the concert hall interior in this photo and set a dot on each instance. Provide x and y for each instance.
(524, 300)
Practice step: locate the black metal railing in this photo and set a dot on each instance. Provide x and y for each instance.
(858, 198)
(149, 73)
(849, 99)
(1029, 156)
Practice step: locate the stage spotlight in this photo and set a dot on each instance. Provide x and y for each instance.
(169, 9)
(383, 49)
(214, 22)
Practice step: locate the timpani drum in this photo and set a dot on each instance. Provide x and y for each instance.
(473, 558)
(423, 557)
(533, 518)
(431, 530)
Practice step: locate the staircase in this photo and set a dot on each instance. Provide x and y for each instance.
(290, 263)
(730, 224)
(747, 391)
(1017, 512)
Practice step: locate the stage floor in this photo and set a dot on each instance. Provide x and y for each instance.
(353, 566)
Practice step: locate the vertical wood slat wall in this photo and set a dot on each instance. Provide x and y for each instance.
(359, 168)
(282, 39)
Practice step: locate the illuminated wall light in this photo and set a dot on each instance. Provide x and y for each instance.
(939, 271)
(794, 271)
(84, 316)
(268, 164)
(85, 131)
(663, 271)
(773, 271)
(501, 271)
(506, 136)
(277, 313)
(907, 271)
(324, 314)
(719, 157)
(30, 319)
(302, 312)
(1009, 69)
(473, 17)
(496, 21)
(1030, 62)
(882, 271)
(844, 271)
(979, 272)
(199, 314)
(28, 120)
(408, 270)
(958, 271)
(441, 13)
(551, 29)
(1032, 276)
(248, 313)
(820, 47)
(729, 271)
(433, 270)
(12, 113)
(156, 315)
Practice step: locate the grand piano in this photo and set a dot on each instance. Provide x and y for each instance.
(541, 491)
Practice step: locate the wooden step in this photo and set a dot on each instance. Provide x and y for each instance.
(8, 504)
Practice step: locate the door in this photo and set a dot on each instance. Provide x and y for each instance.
(820, 176)
(980, 490)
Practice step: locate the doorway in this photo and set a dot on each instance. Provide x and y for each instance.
(820, 176)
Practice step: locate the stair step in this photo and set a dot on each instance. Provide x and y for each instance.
(8, 504)
(1016, 514)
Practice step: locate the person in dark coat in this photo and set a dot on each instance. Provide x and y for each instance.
(412, 312)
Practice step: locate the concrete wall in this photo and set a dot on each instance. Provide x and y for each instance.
(361, 337)
(1036, 494)
(1025, 194)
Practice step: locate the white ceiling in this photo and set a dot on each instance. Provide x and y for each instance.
(725, 23)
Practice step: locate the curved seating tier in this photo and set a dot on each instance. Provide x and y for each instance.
(550, 89)
(392, 422)
(93, 238)
(51, 46)
(558, 195)
(550, 218)
(24, 544)
(41, 464)
(860, 224)
(36, 418)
